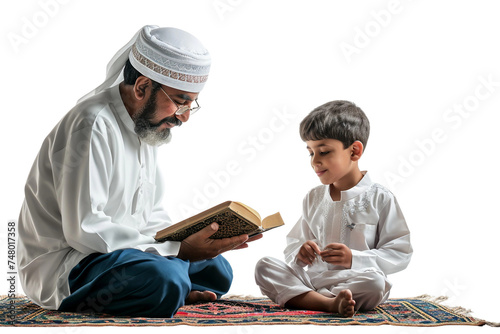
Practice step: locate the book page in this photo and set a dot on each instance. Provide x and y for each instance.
(249, 209)
(272, 221)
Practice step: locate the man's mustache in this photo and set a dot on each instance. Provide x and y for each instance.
(172, 120)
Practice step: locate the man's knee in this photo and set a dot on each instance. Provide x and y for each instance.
(226, 273)
(214, 274)
(164, 278)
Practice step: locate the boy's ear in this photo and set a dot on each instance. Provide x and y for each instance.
(356, 150)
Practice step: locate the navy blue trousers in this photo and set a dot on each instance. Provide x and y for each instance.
(135, 283)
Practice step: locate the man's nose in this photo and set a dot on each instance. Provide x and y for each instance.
(184, 117)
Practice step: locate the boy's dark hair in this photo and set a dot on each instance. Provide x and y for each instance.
(340, 120)
(130, 75)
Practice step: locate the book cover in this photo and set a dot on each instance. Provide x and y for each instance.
(234, 219)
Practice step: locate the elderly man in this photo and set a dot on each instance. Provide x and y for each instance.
(93, 196)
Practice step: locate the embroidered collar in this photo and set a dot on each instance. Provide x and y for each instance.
(358, 189)
(361, 187)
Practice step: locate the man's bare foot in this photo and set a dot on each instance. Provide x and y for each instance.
(200, 296)
(343, 303)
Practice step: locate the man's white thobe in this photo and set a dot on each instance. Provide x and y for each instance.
(93, 188)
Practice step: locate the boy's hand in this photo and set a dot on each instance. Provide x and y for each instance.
(308, 251)
(338, 254)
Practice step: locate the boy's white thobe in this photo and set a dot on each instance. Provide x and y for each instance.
(368, 220)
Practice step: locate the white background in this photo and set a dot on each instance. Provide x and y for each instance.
(417, 68)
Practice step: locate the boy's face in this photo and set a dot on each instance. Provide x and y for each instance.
(330, 160)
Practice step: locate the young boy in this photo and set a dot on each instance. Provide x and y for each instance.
(352, 232)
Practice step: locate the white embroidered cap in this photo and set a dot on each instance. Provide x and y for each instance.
(170, 56)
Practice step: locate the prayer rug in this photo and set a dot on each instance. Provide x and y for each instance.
(419, 311)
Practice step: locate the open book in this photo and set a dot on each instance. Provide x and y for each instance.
(234, 218)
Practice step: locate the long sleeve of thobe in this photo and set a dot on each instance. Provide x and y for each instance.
(93, 188)
(393, 249)
(94, 217)
(298, 235)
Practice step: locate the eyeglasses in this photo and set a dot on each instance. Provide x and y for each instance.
(182, 109)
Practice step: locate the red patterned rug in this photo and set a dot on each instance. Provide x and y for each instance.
(420, 311)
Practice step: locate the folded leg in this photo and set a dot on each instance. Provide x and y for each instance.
(132, 282)
(279, 281)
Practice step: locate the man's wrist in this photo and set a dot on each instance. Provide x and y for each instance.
(182, 253)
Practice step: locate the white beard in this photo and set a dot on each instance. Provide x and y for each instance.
(154, 138)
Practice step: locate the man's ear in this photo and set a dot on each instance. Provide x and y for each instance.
(356, 150)
(140, 87)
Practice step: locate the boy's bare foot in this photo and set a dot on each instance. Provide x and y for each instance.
(343, 303)
(200, 296)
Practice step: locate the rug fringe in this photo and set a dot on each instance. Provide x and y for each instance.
(493, 324)
(440, 299)
(455, 309)
(434, 299)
